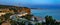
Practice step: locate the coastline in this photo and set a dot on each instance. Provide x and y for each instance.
(42, 13)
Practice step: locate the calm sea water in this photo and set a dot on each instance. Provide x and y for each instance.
(51, 12)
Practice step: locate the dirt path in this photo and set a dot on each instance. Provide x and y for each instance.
(6, 23)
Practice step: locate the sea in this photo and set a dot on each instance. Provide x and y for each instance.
(55, 13)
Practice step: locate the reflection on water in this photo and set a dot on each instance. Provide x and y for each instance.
(51, 12)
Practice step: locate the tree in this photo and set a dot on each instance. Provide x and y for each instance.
(0, 21)
(7, 15)
(29, 23)
(28, 17)
(13, 22)
(49, 20)
(14, 9)
(46, 18)
(38, 24)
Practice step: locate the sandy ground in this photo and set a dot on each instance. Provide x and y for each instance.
(6, 23)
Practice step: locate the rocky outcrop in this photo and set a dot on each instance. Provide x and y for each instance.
(7, 8)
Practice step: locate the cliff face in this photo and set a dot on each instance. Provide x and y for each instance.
(14, 8)
(5, 10)
(24, 10)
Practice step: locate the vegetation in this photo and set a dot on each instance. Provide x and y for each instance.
(7, 16)
(38, 24)
(28, 17)
(0, 21)
(48, 19)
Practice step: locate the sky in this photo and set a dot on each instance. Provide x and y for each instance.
(30, 3)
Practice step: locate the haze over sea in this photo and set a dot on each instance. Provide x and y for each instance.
(42, 13)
